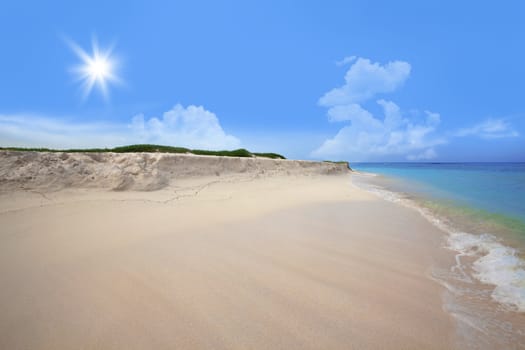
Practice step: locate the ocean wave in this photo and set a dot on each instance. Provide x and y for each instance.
(494, 263)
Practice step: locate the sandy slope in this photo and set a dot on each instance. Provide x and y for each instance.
(135, 171)
(235, 261)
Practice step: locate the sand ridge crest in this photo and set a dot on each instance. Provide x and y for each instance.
(50, 171)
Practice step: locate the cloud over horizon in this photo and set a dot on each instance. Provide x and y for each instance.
(491, 128)
(367, 136)
(191, 126)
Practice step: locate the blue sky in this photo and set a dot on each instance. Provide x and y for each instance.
(353, 80)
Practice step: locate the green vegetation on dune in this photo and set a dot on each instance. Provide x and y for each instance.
(269, 155)
(153, 149)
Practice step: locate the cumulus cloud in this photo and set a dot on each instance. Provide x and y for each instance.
(365, 79)
(370, 137)
(367, 136)
(349, 112)
(489, 129)
(191, 126)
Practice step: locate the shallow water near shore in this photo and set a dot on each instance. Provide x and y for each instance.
(480, 209)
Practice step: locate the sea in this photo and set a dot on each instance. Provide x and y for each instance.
(480, 208)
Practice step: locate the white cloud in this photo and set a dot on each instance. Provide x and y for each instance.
(369, 137)
(365, 79)
(393, 135)
(346, 60)
(392, 112)
(192, 127)
(349, 112)
(489, 129)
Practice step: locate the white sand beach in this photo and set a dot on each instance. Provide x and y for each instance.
(188, 252)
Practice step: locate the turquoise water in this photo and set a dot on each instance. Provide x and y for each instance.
(480, 207)
(497, 188)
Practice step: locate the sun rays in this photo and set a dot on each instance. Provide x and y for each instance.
(97, 69)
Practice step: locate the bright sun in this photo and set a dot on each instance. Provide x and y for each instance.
(96, 69)
(99, 68)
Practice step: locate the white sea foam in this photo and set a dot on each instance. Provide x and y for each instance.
(363, 173)
(494, 263)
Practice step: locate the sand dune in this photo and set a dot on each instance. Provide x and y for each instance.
(135, 171)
